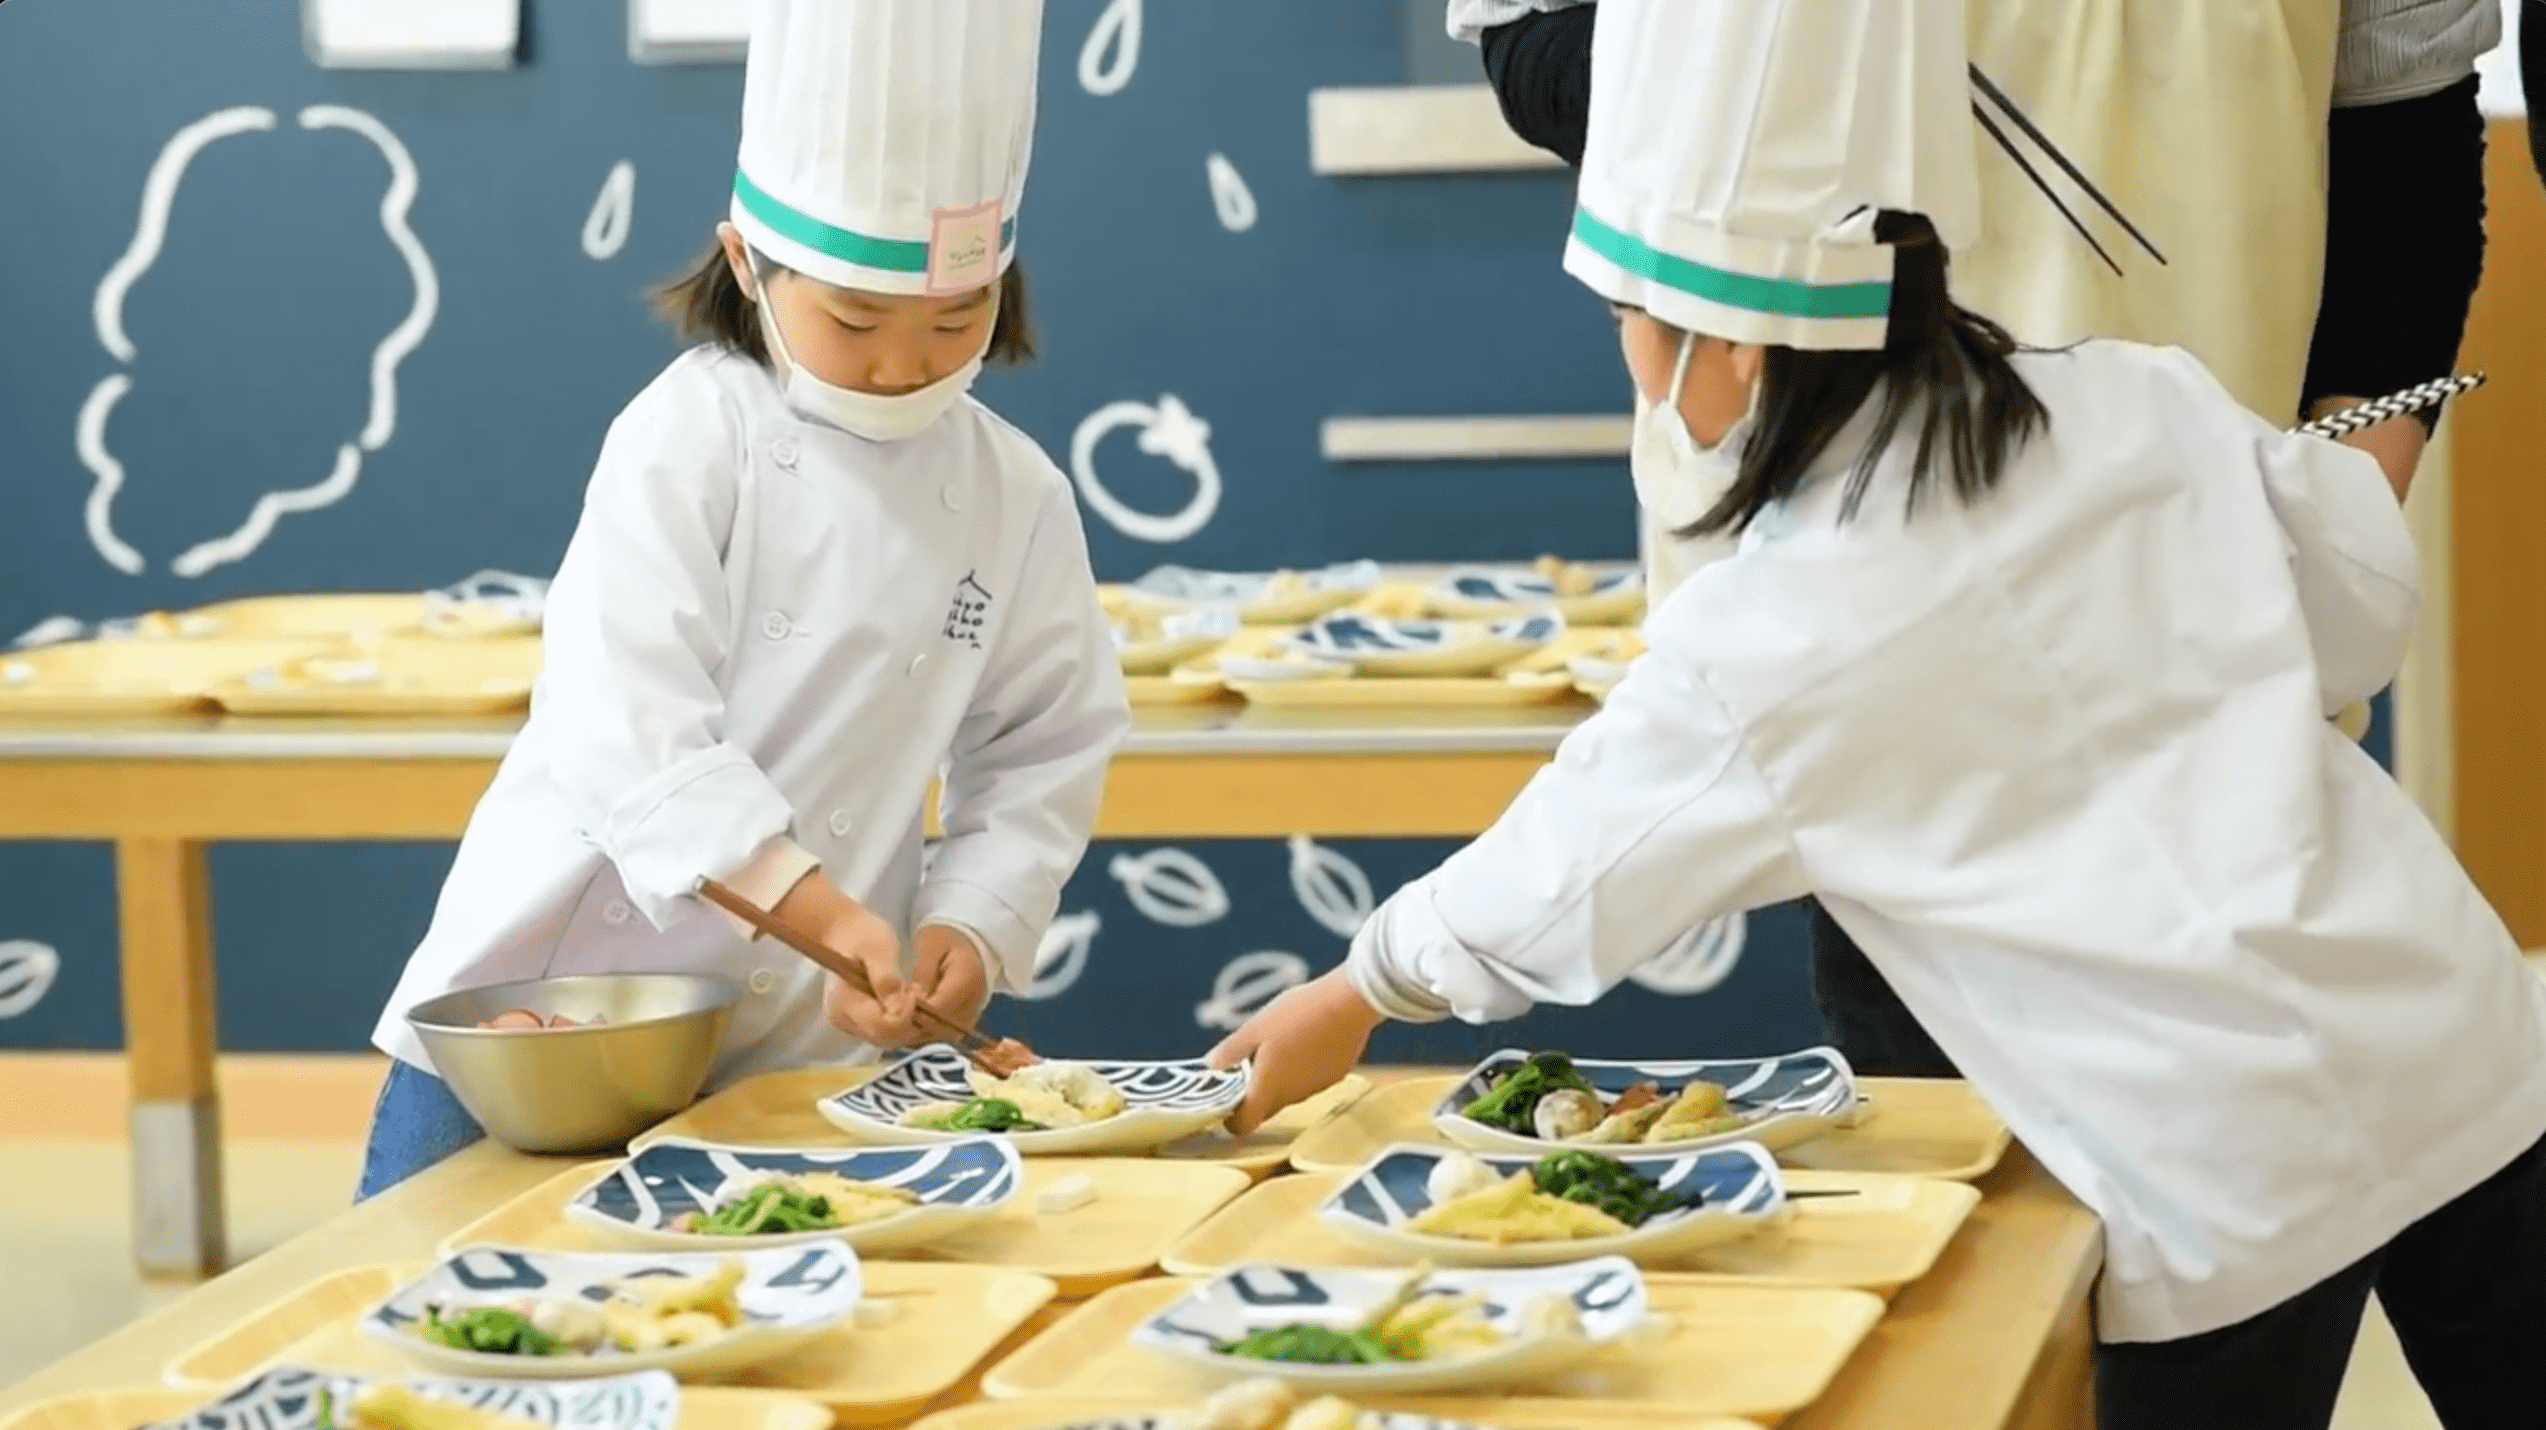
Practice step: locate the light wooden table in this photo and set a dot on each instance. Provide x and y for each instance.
(162, 791)
(1996, 1337)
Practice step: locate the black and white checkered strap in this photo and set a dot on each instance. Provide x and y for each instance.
(2387, 409)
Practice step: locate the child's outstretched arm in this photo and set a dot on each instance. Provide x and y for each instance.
(1028, 764)
(1651, 821)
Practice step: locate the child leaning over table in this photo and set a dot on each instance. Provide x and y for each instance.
(2021, 664)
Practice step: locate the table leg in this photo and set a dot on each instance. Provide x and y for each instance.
(164, 897)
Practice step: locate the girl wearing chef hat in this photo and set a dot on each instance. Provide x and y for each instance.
(811, 572)
(2020, 660)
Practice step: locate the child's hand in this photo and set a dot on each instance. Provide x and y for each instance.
(950, 973)
(869, 942)
(1303, 1043)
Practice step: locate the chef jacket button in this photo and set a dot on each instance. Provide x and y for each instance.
(917, 661)
(841, 824)
(783, 452)
(617, 912)
(776, 626)
(954, 499)
(762, 980)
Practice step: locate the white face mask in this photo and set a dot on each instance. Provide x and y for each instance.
(1675, 479)
(875, 416)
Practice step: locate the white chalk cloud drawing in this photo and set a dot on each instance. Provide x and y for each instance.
(1112, 52)
(1168, 430)
(27, 971)
(150, 232)
(1699, 962)
(1171, 887)
(1061, 959)
(1230, 197)
(1250, 981)
(605, 229)
(1330, 886)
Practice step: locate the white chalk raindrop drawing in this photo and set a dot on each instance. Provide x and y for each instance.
(1230, 197)
(1112, 51)
(1061, 959)
(1171, 887)
(27, 971)
(158, 196)
(1699, 962)
(605, 229)
(1330, 886)
(1250, 981)
(1168, 430)
(52, 630)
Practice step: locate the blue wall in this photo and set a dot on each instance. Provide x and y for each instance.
(253, 328)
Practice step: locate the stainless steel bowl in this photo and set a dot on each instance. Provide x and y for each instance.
(578, 1089)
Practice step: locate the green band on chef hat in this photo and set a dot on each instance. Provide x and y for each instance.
(1778, 297)
(886, 255)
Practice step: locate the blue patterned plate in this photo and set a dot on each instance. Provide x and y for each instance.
(1379, 645)
(958, 1184)
(789, 1296)
(1606, 597)
(290, 1398)
(1261, 597)
(1737, 1185)
(1165, 1102)
(1787, 1100)
(1607, 1297)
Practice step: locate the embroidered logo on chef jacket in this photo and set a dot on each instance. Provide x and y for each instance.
(969, 609)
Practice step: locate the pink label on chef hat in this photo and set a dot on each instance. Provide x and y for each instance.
(963, 249)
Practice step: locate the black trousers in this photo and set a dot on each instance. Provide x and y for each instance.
(1861, 1015)
(2465, 1288)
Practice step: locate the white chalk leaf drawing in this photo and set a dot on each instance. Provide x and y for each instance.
(1061, 958)
(1230, 197)
(1112, 51)
(52, 630)
(27, 971)
(1171, 887)
(605, 229)
(150, 232)
(1168, 430)
(1699, 962)
(1330, 886)
(1250, 981)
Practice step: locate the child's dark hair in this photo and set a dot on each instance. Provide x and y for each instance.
(708, 306)
(1936, 355)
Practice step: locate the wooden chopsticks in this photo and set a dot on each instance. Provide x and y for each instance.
(968, 1041)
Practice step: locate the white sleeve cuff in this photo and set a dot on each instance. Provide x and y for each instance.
(711, 810)
(1007, 942)
(779, 866)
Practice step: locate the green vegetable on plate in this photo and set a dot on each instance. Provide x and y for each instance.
(488, 1330)
(1513, 1102)
(1607, 1184)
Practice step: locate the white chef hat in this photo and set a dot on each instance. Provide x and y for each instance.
(1739, 151)
(885, 142)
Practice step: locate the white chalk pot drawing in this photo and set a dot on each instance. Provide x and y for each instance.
(1230, 197)
(1247, 984)
(605, 229)
(1112, 51)
(150, 232)
(1330, 886)
(1171, 887)
(1061, 959)
(27, 971)
(1699, 962)
(1168, 430)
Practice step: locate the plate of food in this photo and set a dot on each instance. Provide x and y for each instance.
(1518, 1101)
(1584, 595)
(1465, 1209)
(684, 1195)
(545, 1315)
(1378, 645)
(1268, 1404)
(1393, 1333)
(1259, 597)
(294, 1398)
(1155, 642)
(933, 1095)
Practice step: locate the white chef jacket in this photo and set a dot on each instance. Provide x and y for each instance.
(767, 627)
(2059, 762)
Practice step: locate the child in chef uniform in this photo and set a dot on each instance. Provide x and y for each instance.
(811, 571)
(2021, 663)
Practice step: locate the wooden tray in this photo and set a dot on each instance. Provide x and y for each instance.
(1142, 1205)
(1913, 1127)
(950, 1319)
(1538, 678)
(1757, 1352)
(1147, 690)
(702, 1408)
(140, 676)
(419, 675)
(776, 1110)
(1879, 1240)
(338, 615)
(1501, 1414)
